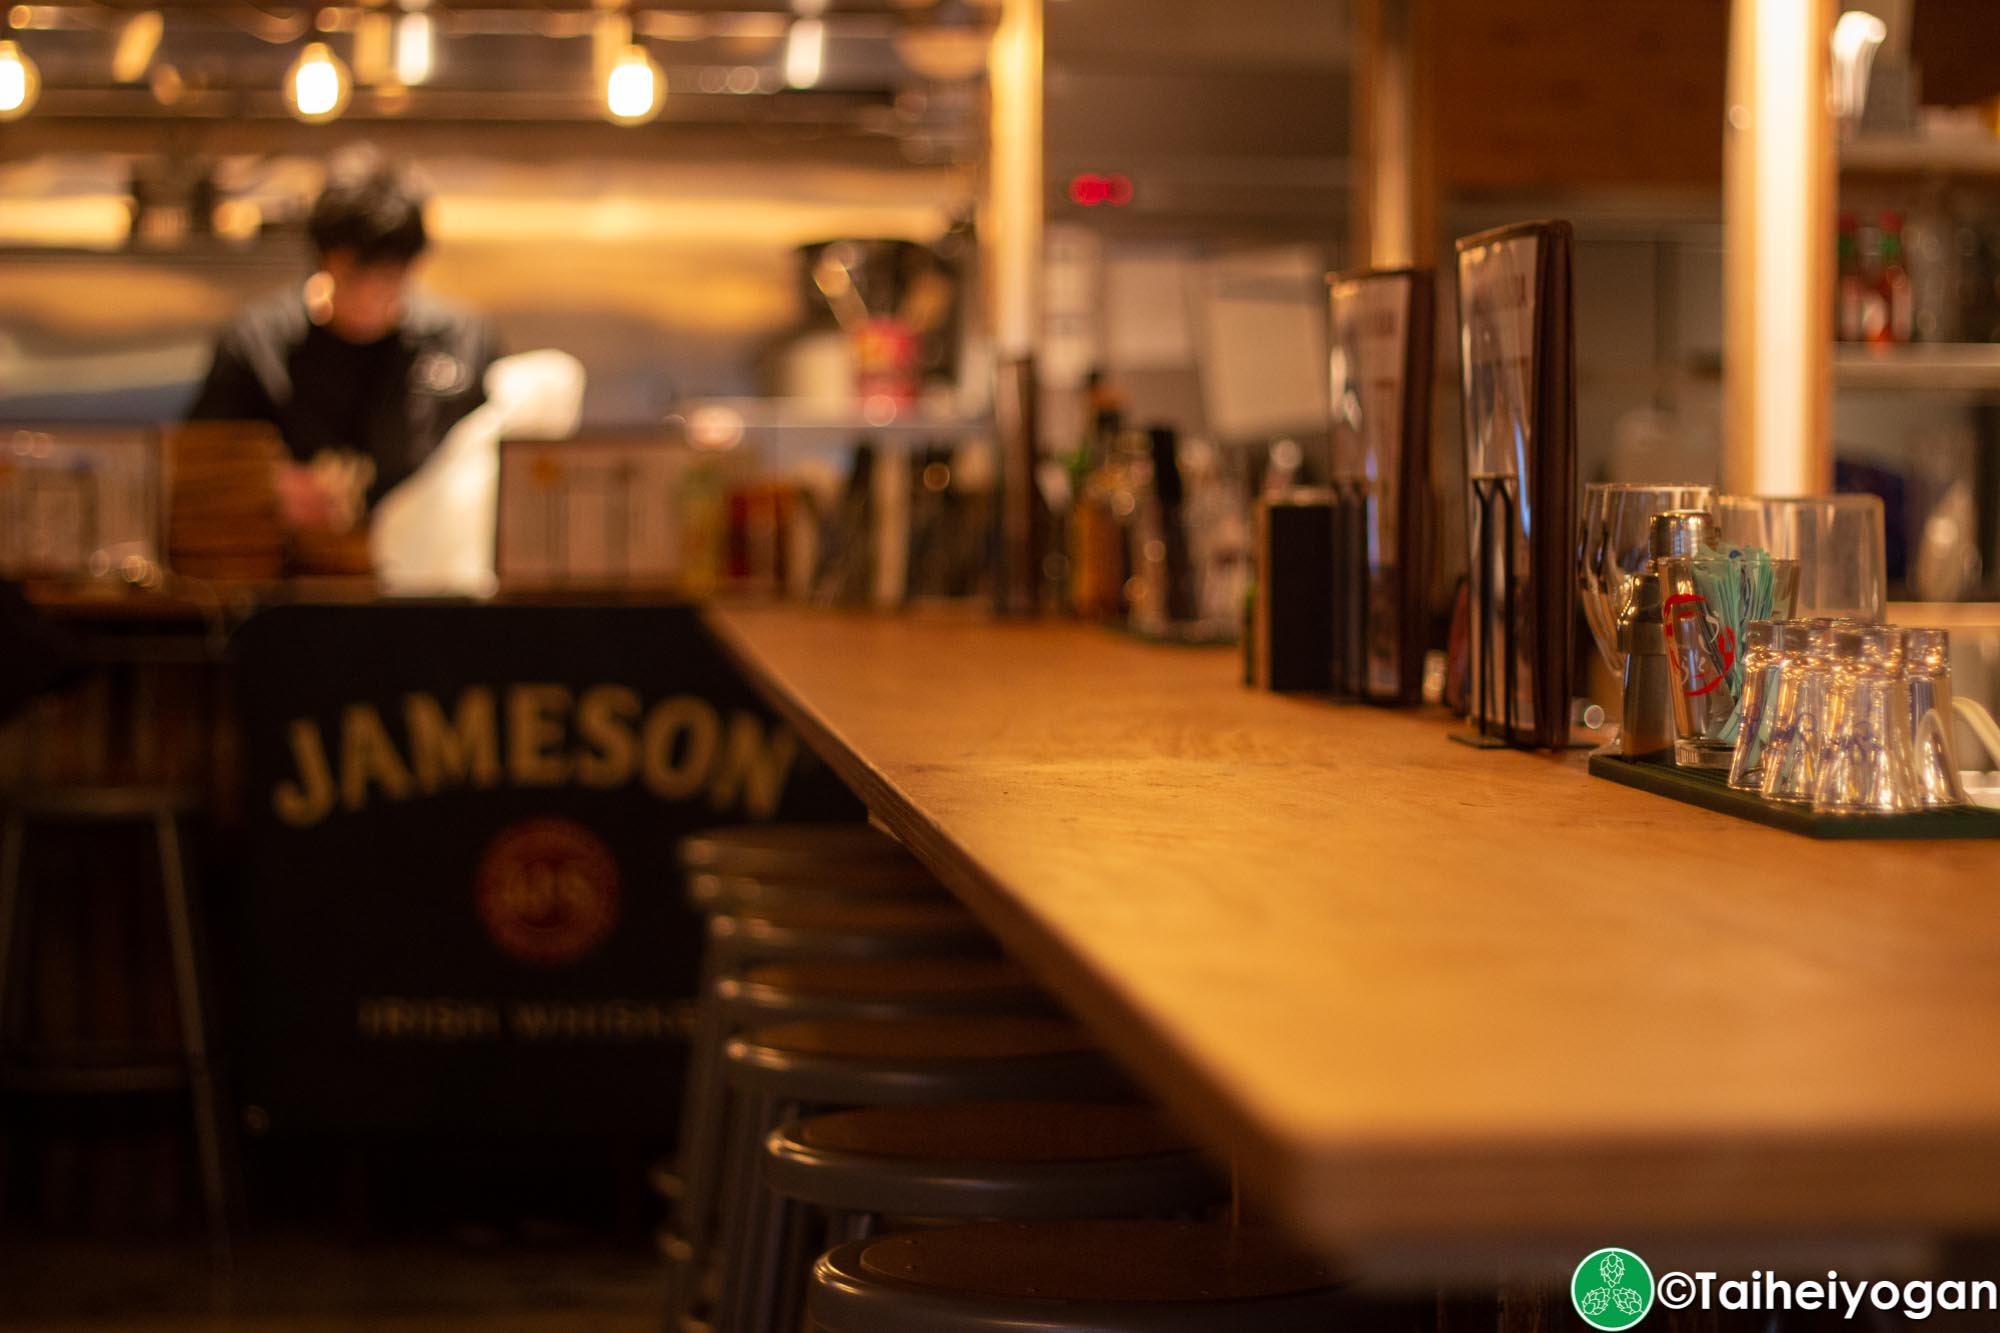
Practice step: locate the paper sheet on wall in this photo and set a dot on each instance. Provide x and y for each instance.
(1146, 312)
(1263, 334)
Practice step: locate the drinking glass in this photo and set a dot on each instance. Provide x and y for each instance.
(1927, 663)
(1709, 597)
(1837, 541)
(1867, 765)
(1613, 549)
(1767, 647)
(1798, 720)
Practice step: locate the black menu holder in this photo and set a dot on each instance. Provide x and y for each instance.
(1289, 645)
(1381, 355)
(1516, 356)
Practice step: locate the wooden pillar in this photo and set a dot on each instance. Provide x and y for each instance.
(1778, 232)
(1393, 215)
(1015, 179)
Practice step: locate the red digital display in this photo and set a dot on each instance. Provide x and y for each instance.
(1091, 189)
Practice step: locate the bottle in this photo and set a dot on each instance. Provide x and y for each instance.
(1096, 535)
(1873, 324)
(1900, 323)
(1850, 289)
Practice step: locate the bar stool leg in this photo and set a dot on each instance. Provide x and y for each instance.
(13, 839)
(749, 1270)
(792, 1250)
(194, 1035)
(13, 835)
(700, 1115)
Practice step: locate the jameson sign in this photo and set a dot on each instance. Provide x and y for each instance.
(462, 911)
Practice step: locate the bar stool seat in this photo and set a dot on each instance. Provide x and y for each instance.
(890, 988)
(1078, 1276)
(844, 930)
(780, 1073)
(861, 1063)
(797, 852)
(708, 893)
(108, 804)
(991, 1160)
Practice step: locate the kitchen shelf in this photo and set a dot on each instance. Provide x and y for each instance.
(1927, 367)
(804, 414)
(1966, 155)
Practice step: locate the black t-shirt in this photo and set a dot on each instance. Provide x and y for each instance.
(391, 400)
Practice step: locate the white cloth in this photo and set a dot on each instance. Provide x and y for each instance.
(433, 534)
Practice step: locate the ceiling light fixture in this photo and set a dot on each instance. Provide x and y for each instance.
(317, 85)
(805, 52)
(20, 81)
(416, 46)
(137, 43)
(634, 88)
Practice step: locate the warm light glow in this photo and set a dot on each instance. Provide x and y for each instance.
(138, 40)
(416, 48)
(714, 429)
(20, 82)
(805, 52)
(943, 54)
(1785, 316)
(1014, 224)
(1855, 37)
(633, 89)
(317, 86)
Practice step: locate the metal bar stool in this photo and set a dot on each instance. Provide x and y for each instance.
(1077, 1276)
(859, 934)
(795, 1069)
(759, 867)
(843, 1176)
(68, 1072)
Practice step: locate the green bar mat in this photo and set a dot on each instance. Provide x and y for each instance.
(1710, 789)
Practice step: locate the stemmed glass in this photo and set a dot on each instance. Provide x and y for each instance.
(1614, 547)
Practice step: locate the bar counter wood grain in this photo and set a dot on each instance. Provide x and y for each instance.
(1422, 994)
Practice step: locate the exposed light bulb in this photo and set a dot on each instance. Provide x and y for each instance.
(138, 42)
(634, 87)
(416, 48)
(20, 82)
(317, 85)
(805, 52)
(1856, 36)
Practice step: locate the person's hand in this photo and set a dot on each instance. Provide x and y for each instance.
(306, 501)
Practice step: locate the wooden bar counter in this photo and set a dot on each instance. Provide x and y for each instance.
(1426, 996)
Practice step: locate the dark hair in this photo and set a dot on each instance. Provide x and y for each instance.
(371, 206)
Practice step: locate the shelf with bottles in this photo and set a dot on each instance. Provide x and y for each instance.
(1916, 293)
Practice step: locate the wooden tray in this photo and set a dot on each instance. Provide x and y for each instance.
(1710, 789)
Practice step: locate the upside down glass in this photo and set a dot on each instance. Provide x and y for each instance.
(1792, 749)
(1927, 663)
(1767, 647)
(1867, 765)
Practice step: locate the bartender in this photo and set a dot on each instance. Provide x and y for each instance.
(361, 374)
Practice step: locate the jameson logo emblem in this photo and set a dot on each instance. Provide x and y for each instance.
(1612, 1289)
(534, 735)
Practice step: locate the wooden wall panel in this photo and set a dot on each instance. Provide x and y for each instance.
(1559, 94)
